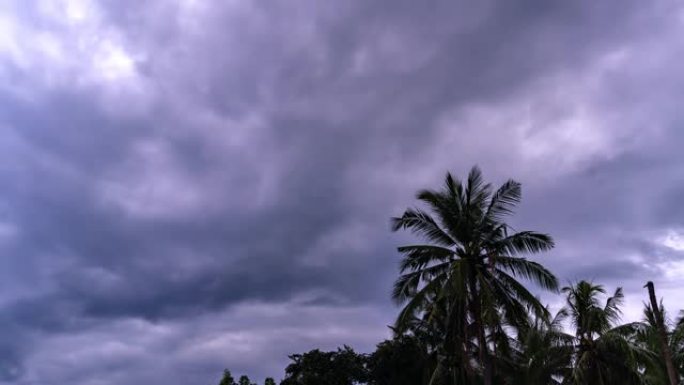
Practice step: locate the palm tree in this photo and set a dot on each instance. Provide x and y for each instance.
(541, 354)
(647, 336)
(469, 267)
(603, 353)
(435, 328)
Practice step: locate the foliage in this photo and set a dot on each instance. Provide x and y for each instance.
(401, 361)
(603, 353)
(541, 353)
(227, 378)
(467, 317)
(341, 367)
(646, 335)
(464, 279)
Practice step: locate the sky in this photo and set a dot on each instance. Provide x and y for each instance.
(188, 186)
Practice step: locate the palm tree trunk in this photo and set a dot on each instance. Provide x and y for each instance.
(479, 325)
(662, 334)
(484, 355)
(465, 346)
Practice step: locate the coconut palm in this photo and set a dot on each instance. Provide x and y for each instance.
(541, 354)
(603, 353)
(439, 328)
(647, 337)
(470, 266)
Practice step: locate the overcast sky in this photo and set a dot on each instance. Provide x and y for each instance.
(193, 185)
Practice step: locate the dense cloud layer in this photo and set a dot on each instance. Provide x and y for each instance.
(190, 186)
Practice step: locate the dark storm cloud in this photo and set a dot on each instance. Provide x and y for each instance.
(193, 160)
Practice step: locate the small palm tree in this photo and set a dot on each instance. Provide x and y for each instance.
(603, 353)
(469, 268)
(541, 354)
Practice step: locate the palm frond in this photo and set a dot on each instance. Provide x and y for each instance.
(529, 270)
(407, 285)
(454, 187)
(418, 300)
(503, 201)
(522, 294)
(477, 192)
(421, 223)
(612, 308)
(523, 242)
(511, 297)
(419, 256)
(446, 207)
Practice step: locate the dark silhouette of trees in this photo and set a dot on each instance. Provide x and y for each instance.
(400, 361)
(464, 279)
(468, 319)
(541, 353)
(647, 335)
(227, 378)
(659, 324)
(603, 353)
(341, 367)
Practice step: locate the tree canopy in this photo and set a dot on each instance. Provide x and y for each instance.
(469, 314)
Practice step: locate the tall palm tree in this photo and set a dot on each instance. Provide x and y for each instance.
(647, 336)
(603, 353)
(658, 316)
(470, 266)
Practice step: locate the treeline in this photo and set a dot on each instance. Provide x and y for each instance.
(468, 317)
(228, 379)
(397, 361)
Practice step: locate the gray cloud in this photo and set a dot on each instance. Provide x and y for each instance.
(188, 186)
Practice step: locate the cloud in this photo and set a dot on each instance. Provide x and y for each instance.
(250, 336)
(211, 183)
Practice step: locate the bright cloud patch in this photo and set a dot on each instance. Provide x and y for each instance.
(68, 45)
(673, 240)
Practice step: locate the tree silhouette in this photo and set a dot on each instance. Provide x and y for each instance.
(341, 367)
(466, 275)
(603, 353)
(227, 378)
